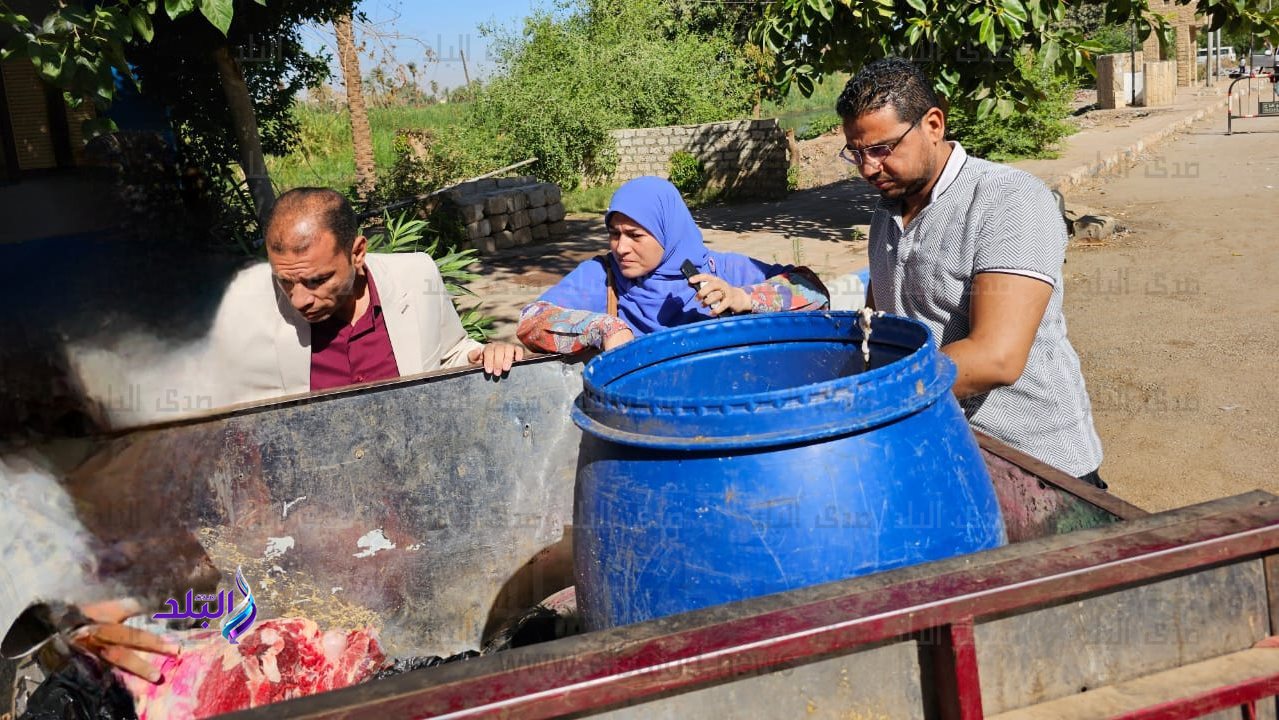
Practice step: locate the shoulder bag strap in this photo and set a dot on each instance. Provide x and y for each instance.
(609, 284)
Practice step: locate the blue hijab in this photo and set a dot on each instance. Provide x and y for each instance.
(663, 298)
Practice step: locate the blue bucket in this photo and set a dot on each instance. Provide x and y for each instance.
(751, 455)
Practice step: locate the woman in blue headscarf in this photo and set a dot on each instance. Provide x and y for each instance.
(639, 288)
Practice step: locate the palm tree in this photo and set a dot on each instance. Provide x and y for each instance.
(361, 135)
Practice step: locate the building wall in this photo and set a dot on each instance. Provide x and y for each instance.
(1187, 24)
(748, 158)
(29, 115)
(37, 141)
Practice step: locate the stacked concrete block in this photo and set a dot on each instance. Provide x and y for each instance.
(1115, 79)
(507, 212)
(748, 158)
(1160, 83)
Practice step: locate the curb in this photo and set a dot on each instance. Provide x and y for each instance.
(1126, 157)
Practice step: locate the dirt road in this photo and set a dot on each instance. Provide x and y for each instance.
(1177, 321)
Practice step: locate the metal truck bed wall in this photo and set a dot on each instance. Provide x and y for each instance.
(417, 506)
(1165, 616)
(470, 480)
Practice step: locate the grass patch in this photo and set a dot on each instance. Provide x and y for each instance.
(324, 156)
(592, 200)
(706, 196)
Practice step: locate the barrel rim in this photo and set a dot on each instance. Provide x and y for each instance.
(674, 336)
(803, 412)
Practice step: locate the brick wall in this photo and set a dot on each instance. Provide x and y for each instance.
(747, 158)
(38, 145)
(1187, 27)
(29, 114)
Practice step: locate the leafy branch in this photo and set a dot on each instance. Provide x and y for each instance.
(80, 50)
(405, 233)
(969, 48)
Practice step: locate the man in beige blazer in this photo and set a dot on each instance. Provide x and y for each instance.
(321, 312)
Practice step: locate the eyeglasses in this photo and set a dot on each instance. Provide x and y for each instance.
(877, 153)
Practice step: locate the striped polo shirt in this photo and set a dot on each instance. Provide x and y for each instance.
(989, 218)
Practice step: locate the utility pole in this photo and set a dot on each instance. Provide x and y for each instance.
(465, 73)
(1212, 55)
(1132, 63)
(1216, 68)
(1207, 60)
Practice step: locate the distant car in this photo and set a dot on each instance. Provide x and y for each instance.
(1224, 55)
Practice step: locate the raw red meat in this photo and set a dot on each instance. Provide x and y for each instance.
(276, 660)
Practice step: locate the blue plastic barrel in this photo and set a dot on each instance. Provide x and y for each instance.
(752, 455)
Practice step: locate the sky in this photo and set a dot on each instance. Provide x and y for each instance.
(444, 27)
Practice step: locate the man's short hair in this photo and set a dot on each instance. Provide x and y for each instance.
(888, 81)
(332, 209)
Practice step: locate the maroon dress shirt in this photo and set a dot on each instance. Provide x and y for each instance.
(345, 353)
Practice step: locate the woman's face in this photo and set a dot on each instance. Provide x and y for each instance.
(637, 252)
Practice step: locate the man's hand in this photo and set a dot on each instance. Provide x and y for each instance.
(721, 297)
(115, 643)
(619, 338)
(497, 357)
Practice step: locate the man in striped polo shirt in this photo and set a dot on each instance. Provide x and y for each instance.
(974, 250)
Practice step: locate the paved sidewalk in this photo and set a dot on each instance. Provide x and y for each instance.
(1112, 146)
(824, 227)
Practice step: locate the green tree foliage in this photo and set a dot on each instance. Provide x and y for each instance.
(710, 18)
(1087, 17)
(569, 77)
(1089, 20)
(168, 51)
(686, 172)
(77, 48)
(968, 48)
(1241, 40)
(444, 155)
(1032, 133)
(164, 49)
(734, 20)
(405, 233)
(177, 69)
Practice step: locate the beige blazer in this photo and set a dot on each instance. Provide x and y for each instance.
(260, 347)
